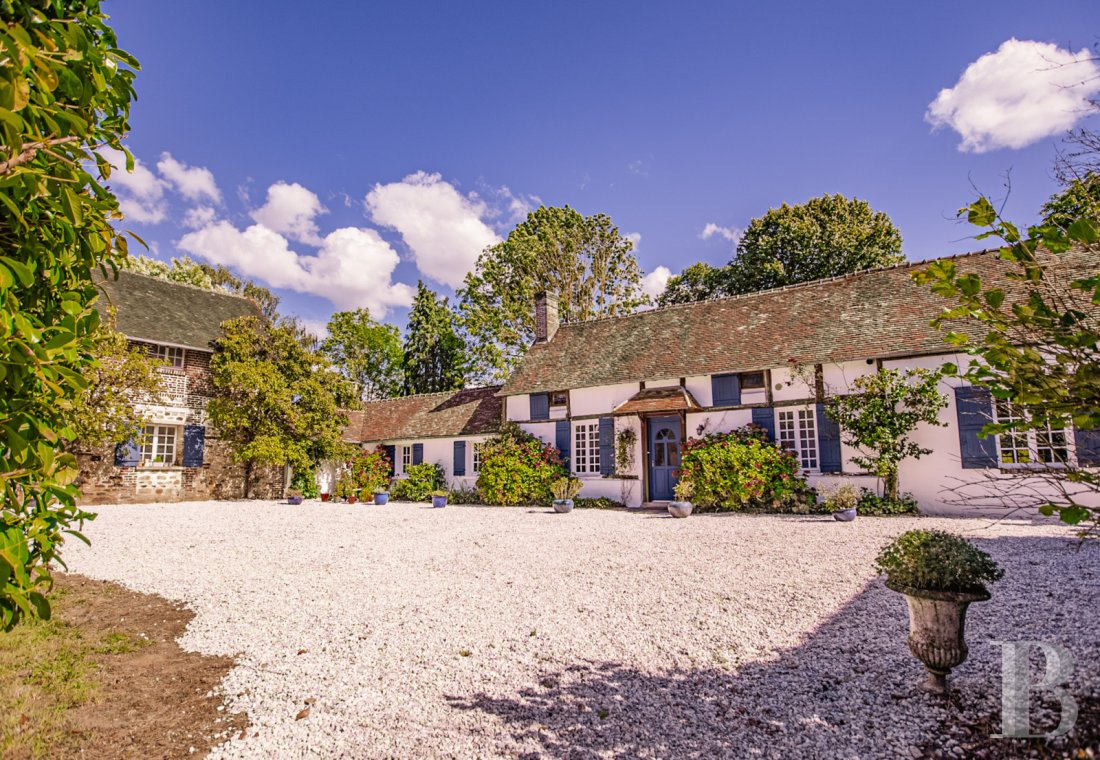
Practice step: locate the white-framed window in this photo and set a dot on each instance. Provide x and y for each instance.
(172, 356)
(586, 448)
(476, 449)
(406, 458)
(158, 447)
(1021, 448)
(798, 432)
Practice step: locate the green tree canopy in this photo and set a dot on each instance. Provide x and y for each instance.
(583, 258)
(1079, 200)
(697, 282)
(65, 91)
(434, 352)
(276, 401)
(368, 352)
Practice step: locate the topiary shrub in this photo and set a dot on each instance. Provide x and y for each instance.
(370, 473)
(518, 468)
(933, 560)
(419, 482)
(743, 471)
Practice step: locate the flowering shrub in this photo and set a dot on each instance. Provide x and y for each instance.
(370, 472)
(517, 468)
(743, 471)
(419, 482)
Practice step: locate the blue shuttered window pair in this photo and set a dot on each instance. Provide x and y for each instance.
(418, 453)
(764, 416)
(540, 406)
(459, 459)
(128, 454)
(725, 390)
(607, 446)
(561, 440)
(829, 458)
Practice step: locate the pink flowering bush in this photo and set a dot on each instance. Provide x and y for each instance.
(743, 471)
(517, 468)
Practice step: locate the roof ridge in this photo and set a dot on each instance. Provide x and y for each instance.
(432, 393)
(216, 290)
(781, 288)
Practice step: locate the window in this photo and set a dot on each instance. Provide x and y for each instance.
(559, 398)
(158, 448)
(406, 458)
(170, 355)
(798, 433)
(586, 448)
(751, 381)
(1046, 445)
(477, 456)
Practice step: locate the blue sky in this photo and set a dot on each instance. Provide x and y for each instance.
(402, 137)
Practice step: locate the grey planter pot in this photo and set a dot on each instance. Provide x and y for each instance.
(845, 515)
(563, 505)
(679, 508)
(294, 500)
(937, 628)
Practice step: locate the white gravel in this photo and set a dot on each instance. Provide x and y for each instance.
(482, 632)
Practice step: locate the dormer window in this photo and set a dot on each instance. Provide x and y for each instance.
(172, 356)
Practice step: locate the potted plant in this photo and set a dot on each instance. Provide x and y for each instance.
(842, 502)
(681, 506)
(564, 490)
(940, 574)
(381, 496)
(293, 496)
(439, 498)
(325, 496)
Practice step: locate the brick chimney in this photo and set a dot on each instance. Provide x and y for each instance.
(546, 316)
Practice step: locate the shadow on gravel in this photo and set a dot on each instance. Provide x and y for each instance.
(847, 690)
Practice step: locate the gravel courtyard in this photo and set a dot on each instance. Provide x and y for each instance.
(488, 632)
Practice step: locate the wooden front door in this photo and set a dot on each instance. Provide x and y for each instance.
(664, 456)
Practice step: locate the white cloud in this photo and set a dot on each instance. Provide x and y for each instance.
(443, 229)
(1023, 92)
(290, 210)
(731, 234)
(654, 283)
(639, 167)
(195, 183)
(199, 217)
(316, 327)
(353, 268)
(140, 193)
(635, 238)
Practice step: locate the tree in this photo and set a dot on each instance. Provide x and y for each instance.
(276, 401)
(881, 415)
(582, 258)
(434, 353)
(367, 352)
(1034, 345)
(1080, 199)
(824, 237)
(65, 91)
(105, 412)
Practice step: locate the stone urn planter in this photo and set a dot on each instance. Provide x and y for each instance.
(294, 500)
(679, 508)
(563, 505)
(381, 497)
(937, 630)
(845, 515)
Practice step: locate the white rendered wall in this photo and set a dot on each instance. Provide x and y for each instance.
(600, 399)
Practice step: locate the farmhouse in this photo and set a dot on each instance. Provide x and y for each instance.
(179, 456)
(619, 396)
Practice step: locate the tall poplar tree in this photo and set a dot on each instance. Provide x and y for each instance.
(435, 354)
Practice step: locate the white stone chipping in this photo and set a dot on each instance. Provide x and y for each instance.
(488, 632)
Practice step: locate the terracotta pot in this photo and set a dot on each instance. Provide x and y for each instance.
(352, 499)
(937, 627)
(563, 505)
(325, 497)
(679, 508)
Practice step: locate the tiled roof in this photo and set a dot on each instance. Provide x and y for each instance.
(877, 313)
(675, 399)
(159, 311)
(473, 411)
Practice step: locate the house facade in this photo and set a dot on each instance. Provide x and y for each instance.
(179, 456)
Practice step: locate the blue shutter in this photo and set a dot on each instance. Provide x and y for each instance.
(418, 453)
(725, 390)
(764, 416)
(561, 440)
(127, 454)
(607, 446)
(460, 458)
(828, 442)
(194, 441)
(540, 406)
(1087, 444)
(974, 410)
(391, 454)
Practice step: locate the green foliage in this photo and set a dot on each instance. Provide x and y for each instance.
(599, 502)
(304, 484)
(276, 401)
(105, 412)
(625, 442)
(434, 353)
(370, 472)
(1079, 200)
(843, 496)
(419, 482)
(824, 237)
(872, 505)
(65, 91)
(565, 489)
(367, 352)
(1036, 342)
(932, 560)
(187, 272)
(465, 496)
(881, 414)
(517, 468)
(583, 259)
(742, 470)
(684, 490)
